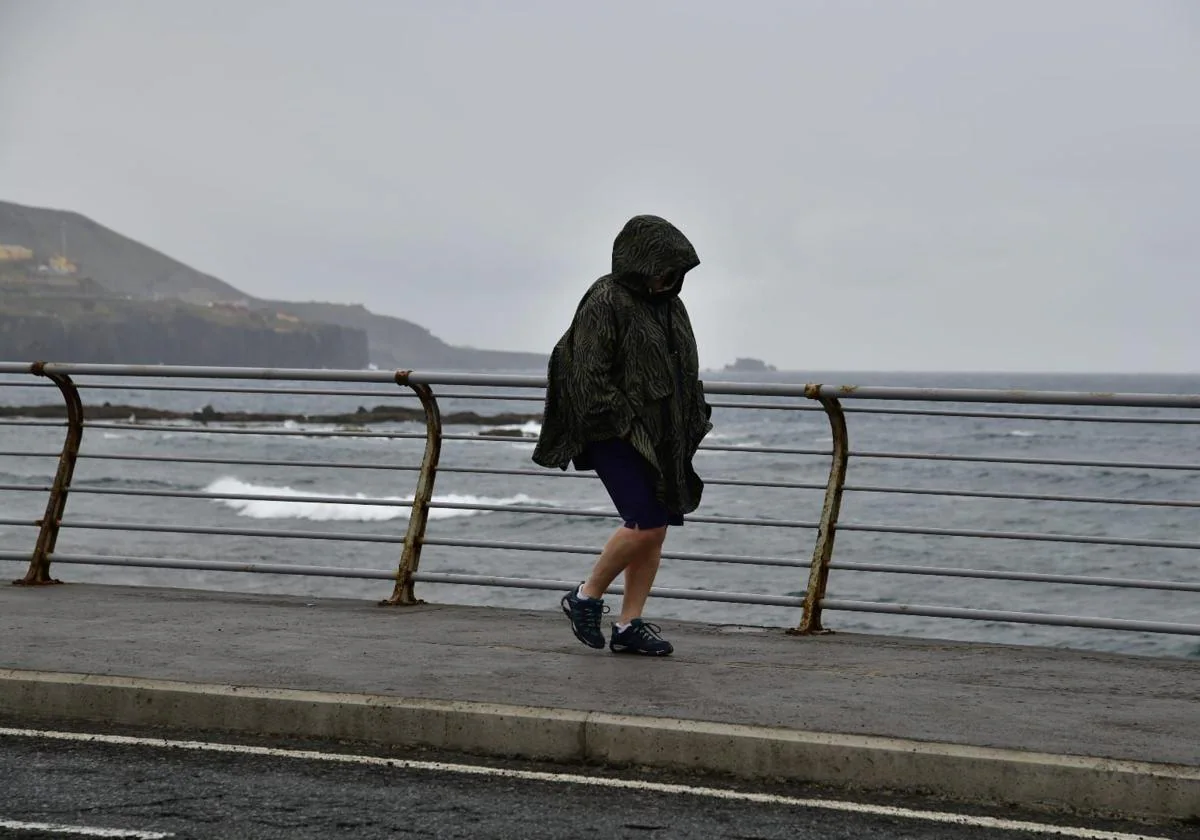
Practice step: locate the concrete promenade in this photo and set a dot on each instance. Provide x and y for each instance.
(982, 723)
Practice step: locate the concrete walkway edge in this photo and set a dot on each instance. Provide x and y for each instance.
(975, 774)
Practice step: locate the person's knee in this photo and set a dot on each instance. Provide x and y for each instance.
(648, 536)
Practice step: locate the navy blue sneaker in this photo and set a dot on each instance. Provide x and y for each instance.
(640, 637)
(585, 614)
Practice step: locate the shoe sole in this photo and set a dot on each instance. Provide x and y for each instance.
(637, 652)
(567, 612)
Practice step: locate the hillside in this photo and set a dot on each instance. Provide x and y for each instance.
(119, 264)
(100, 262)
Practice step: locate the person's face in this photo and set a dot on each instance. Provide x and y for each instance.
(664, 281)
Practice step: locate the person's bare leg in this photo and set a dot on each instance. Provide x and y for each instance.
(639, 577)
(625, 547)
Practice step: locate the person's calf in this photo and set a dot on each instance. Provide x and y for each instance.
(626, 547)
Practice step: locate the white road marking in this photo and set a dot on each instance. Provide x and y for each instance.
(593, 781)
(83, 830)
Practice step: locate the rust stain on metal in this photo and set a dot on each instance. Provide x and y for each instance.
(410, 558)
(818, 574)
(39, 564)
(847, 389)
(812, 391)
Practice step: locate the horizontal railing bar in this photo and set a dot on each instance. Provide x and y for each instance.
(351, 537)
(1037, 462)
(206, 372)
(724, 482)
(314, 392)
(333, 392)
(318, 499)
(942, 412)
(257, 462)
(985, 395)
(423, 577)
(1027, 497)
(226, 430)
(490, 438)
(236, 497)
(269, 533)
(737, 559)
(1015, 535)
(617, 589)
(83, 489)
(20, 523)
(1014, 617)
(764, 450)
(756, 406)
(529, 509)
(910, 456)
(1032, 577)
(220, 566)
(555, 511)
(349, 465)
(544, 510)
(53, 423)
(519, 397)
(217, 389)
(844, 392)
(782, 485)
(1014, 415)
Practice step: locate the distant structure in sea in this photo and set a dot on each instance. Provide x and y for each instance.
(749, 365)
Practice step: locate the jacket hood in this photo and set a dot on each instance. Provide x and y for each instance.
(649, 247)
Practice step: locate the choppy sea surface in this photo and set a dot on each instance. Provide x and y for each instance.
(28, 449)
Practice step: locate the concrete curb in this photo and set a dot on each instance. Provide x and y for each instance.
(976, 774)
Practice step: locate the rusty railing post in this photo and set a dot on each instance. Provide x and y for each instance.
(39, 564)
(410, 557)
(818, 574)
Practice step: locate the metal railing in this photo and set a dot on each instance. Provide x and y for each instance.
(826, 522)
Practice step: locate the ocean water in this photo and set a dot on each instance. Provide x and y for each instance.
(374, 452)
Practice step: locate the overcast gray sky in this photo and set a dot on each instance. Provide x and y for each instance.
(957, 185)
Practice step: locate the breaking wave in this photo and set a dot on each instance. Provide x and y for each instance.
(531, 427)
(341, 512)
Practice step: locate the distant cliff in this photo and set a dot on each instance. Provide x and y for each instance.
(168, 332)
(127, 275)
(119, 264)
(396, 343)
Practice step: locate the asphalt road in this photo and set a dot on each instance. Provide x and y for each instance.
(198, 793)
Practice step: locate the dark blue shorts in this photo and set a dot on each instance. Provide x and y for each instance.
(630, 481)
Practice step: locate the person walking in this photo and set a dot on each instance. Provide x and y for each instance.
(625, 399)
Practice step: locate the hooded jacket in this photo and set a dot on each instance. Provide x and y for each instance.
(628, 367)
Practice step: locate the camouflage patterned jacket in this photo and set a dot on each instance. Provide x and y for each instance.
(628, 367)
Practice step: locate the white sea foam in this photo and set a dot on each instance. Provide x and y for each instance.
(1021, 433)
(341, 512)
(530, 427)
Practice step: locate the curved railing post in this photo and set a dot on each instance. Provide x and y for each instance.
(410, 557)
(39, 564)
(818, 574)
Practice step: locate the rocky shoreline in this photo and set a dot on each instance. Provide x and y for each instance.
(361, 417)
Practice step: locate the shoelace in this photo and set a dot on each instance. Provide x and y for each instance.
(647, 632)
(590, 615)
